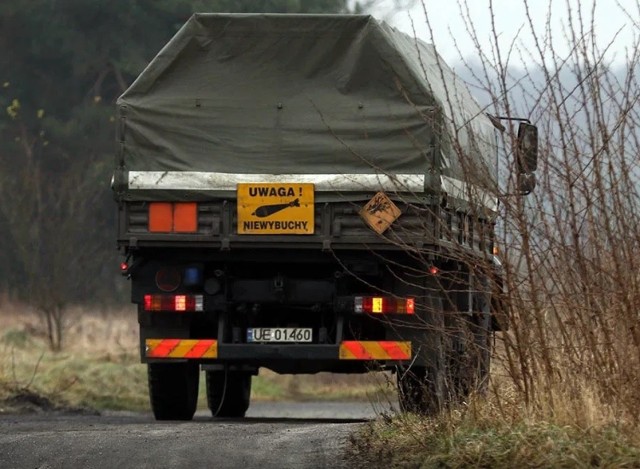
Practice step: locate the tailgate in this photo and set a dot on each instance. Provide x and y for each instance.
(335, 224)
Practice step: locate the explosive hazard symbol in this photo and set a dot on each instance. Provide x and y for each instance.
(275, 208)
(380, 213)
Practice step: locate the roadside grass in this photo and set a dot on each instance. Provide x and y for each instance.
(497, 430)
(408, 441)
(99, 368)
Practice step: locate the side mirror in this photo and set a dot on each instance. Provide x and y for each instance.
(527, 150)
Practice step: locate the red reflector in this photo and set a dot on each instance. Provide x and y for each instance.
(173, 303)
(168, 279)
(433, 270)
(123, 266)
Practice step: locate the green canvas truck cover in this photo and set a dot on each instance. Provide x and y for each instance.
(343, 101)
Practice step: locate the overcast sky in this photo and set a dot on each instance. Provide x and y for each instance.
(611, 24)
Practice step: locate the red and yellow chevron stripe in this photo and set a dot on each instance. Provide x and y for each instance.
(181, 348)
(375, 350)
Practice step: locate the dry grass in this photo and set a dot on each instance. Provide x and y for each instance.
(463, 442)
(99, 367)
(500, 431)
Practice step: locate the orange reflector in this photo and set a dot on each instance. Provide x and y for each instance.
(375, 350)
(181, 348)
(160, 217)
(179, 217)
(185, 217)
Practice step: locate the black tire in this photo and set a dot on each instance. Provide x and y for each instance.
(228, 393)
(421, 390)
(456, 360)
(422, 386)
(173, 390)
(470, 361)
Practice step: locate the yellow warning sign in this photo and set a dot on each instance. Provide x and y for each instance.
(380, 212)
(275, 208)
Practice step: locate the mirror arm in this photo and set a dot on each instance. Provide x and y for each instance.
(495, 120)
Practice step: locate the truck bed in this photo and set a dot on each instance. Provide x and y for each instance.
(338, 225)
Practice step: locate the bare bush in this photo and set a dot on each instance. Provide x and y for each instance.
(572, 287)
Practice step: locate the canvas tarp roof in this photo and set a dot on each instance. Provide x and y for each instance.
(257, 96)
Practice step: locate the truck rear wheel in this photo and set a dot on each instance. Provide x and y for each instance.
(458, 368)
(471, 357)
(421, 390)
(228, 393)
(422, 386)
(173, 390)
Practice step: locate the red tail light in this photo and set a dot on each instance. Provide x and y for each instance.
(384, 305)
(411, 306)
(175, 303)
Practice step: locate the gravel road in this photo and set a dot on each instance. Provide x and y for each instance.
(274, 435)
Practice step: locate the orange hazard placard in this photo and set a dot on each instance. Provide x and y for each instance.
(275, 208)
(380, 212)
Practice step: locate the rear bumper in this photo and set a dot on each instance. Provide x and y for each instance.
(209, 350)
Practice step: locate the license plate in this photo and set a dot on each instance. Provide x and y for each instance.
(279, 334)
(275, 208)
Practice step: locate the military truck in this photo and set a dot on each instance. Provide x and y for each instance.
(307, 193)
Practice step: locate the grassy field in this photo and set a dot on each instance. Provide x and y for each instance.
(100, 369)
